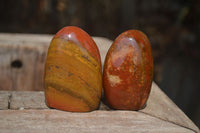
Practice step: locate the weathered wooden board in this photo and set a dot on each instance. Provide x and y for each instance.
(51, 121)
(159, 106)
(30, 51)
(4, 99)
(26, 111)
(27, 100)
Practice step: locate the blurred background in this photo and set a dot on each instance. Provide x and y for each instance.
(173, 28)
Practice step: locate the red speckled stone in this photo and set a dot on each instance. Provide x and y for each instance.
(128, 71)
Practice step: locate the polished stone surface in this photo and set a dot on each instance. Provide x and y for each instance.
(73, 75)
(128, 71)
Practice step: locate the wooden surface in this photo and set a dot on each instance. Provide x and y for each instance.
(26, 111)
(30, 50)
(52, 121)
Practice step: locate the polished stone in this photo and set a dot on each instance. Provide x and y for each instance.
(73, 75)
(128, 71)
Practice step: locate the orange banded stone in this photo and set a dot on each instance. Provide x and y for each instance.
(128, 71)
(73, 79)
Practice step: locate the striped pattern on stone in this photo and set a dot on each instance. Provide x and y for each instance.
(73, 79)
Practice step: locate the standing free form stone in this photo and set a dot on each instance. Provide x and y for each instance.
(73, 78)
(128, 71)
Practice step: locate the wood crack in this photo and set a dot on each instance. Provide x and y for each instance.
(9, 100)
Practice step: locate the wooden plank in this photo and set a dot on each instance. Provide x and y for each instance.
(23, 121)
(160, 106)
(4, 99)
(30, 51)
(27, 100)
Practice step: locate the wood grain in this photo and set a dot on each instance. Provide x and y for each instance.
(4, 99)
(158, 106)
(23, 121)
(27, 100)
(30, 50)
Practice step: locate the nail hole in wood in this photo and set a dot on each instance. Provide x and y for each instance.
(16, 64)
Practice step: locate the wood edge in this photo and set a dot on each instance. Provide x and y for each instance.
(95, 113)
(102, 108)
(181, 125)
